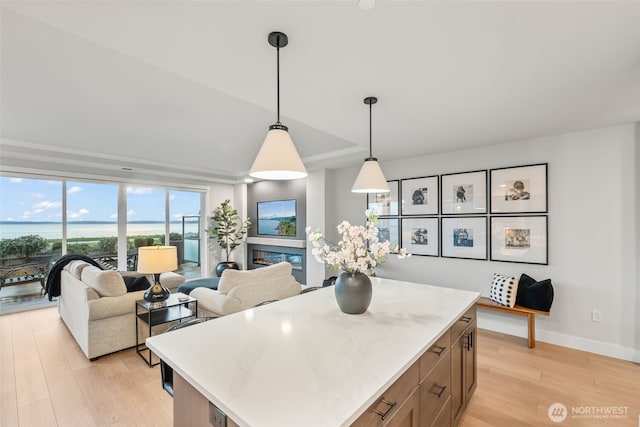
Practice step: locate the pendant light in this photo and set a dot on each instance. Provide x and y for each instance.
(278, 157)
(370, 179)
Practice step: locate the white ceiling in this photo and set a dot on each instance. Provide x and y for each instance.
(186, 90)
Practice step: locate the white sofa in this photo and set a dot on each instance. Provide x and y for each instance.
(239, 290)
(98, 310)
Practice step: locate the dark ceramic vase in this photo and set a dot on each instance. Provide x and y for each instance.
(353, 292)
(222, 266)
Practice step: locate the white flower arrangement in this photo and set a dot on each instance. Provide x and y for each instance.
(358, 251)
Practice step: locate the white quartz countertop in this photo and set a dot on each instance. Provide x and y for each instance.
(302, 362)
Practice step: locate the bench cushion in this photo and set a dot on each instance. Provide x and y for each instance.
(504, 289)
(535, 294)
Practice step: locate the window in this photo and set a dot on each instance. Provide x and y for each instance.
(184, 213)
(92, 220)
(42, 219)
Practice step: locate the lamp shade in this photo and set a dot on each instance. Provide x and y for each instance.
(370, 179)
(157, 259)
(278, 158)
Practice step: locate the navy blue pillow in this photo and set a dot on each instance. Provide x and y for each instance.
(134, 283)
(537, 295)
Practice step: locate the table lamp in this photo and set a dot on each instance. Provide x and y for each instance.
(155, 260)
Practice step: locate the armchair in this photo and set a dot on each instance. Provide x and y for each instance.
(239, 290)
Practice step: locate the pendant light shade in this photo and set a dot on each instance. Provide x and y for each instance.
(370, 179)
(278, 157)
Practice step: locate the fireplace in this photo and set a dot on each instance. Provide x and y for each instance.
(264, 255)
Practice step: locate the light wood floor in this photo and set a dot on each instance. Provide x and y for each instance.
(45, 380)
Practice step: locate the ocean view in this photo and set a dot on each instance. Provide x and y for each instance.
(53, 230)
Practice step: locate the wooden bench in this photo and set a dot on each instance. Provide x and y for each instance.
(518, 310)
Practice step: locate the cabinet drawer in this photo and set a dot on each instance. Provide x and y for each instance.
(435, 353)
(435, 391)
(465, 320)
(444, 417)
(391, 400)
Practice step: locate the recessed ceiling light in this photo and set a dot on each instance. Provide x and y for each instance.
(366, 4)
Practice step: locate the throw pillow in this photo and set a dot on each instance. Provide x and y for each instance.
(134, 283)
(537, 295)
(504, 289)
(107, 283)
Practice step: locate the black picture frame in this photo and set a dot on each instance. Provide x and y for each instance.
(463, 237)
(420, 196)
(523, 239)
(421, 235)
(385, 204)
(389, 230)
(464, 193)
(519, 189)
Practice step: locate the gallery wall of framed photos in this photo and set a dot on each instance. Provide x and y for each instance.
(497, 214)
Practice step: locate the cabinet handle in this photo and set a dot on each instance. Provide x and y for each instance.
(439, 393)
(439, 350)
(466, 319)
(385, 413)
(468, 341)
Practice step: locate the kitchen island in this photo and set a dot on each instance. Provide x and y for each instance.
(302, 362)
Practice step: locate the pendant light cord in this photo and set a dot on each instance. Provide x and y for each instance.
(278, 77)
(370, 145)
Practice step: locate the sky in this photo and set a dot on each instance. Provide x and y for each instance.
(23, 199)
(279, 208)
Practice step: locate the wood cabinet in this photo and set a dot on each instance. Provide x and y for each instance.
(435, 391)
(398, 405)
(463, 364)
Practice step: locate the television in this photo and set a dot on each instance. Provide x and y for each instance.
(277, 218)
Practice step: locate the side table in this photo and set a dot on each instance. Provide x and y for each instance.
(174, 309)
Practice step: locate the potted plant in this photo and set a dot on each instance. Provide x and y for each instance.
(229, 231)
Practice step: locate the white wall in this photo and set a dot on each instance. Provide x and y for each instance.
(316, 220)
(593, 235)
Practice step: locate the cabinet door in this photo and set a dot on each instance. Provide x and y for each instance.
(457, 380)
(408, 415)
(470, 366)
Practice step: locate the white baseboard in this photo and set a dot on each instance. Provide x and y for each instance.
(518, 327)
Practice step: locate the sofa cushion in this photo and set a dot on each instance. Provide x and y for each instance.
(107, 283)
(134, 284)
(171, 280)
(266, 275)
(75, 267)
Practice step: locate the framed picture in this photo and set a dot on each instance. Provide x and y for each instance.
(277, 218)
(420, 236)
(464, 193)
(520, 189)
(519, 239)
(420, 196)
(388, 230)
(464, 237)
(384, 204)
